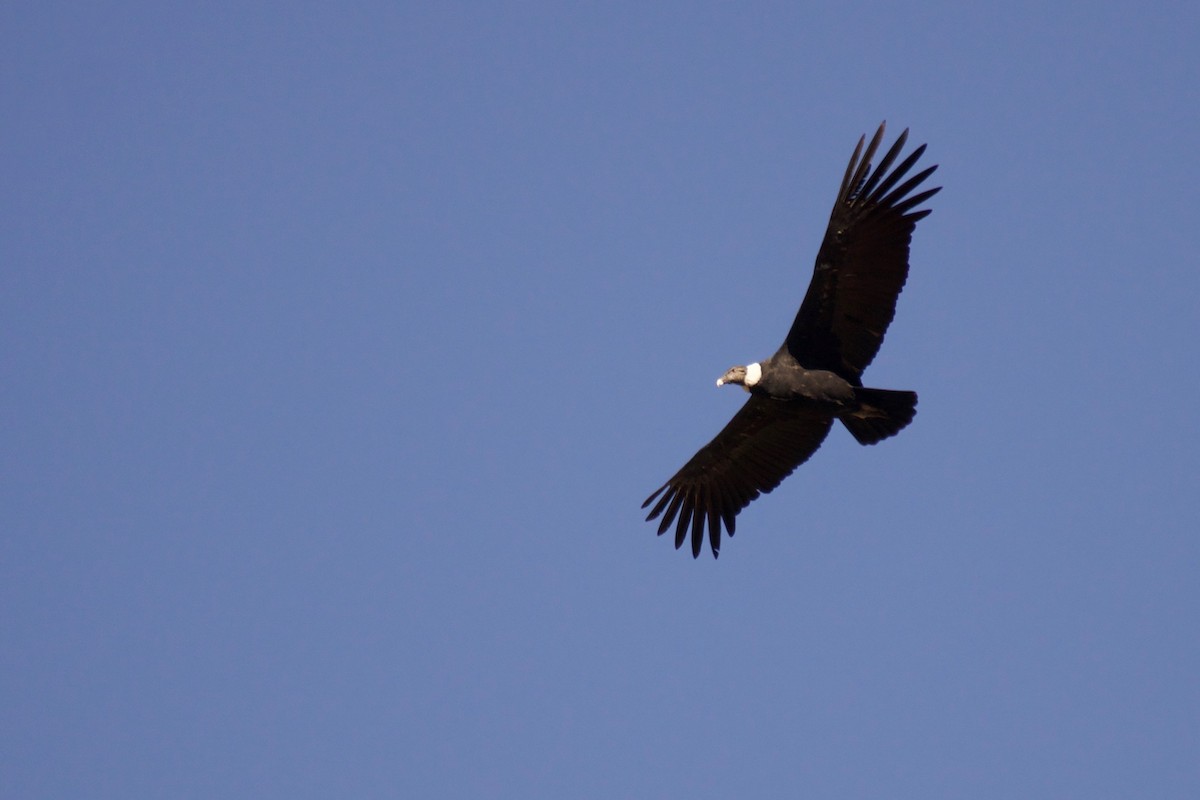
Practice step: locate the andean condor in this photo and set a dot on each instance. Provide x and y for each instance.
(816, 376)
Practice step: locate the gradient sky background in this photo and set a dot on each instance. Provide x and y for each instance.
(341, 343)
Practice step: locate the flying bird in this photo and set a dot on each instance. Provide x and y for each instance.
(816, 375)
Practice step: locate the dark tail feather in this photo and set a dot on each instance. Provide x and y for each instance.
(881, 413)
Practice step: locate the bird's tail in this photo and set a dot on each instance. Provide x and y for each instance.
(881, 413)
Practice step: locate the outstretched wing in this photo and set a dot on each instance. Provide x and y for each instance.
(760, 446)
(862, 264)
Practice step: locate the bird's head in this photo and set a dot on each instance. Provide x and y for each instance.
(746, 376)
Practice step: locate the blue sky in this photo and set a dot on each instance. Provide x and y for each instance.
(341, 345)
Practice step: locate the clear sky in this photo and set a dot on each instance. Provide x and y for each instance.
(341, 343)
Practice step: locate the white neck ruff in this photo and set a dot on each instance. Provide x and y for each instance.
(753, 374)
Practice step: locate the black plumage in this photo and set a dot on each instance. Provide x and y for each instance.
(816, 376)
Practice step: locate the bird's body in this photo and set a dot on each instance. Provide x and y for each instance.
(816, 376)
(784, 378)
